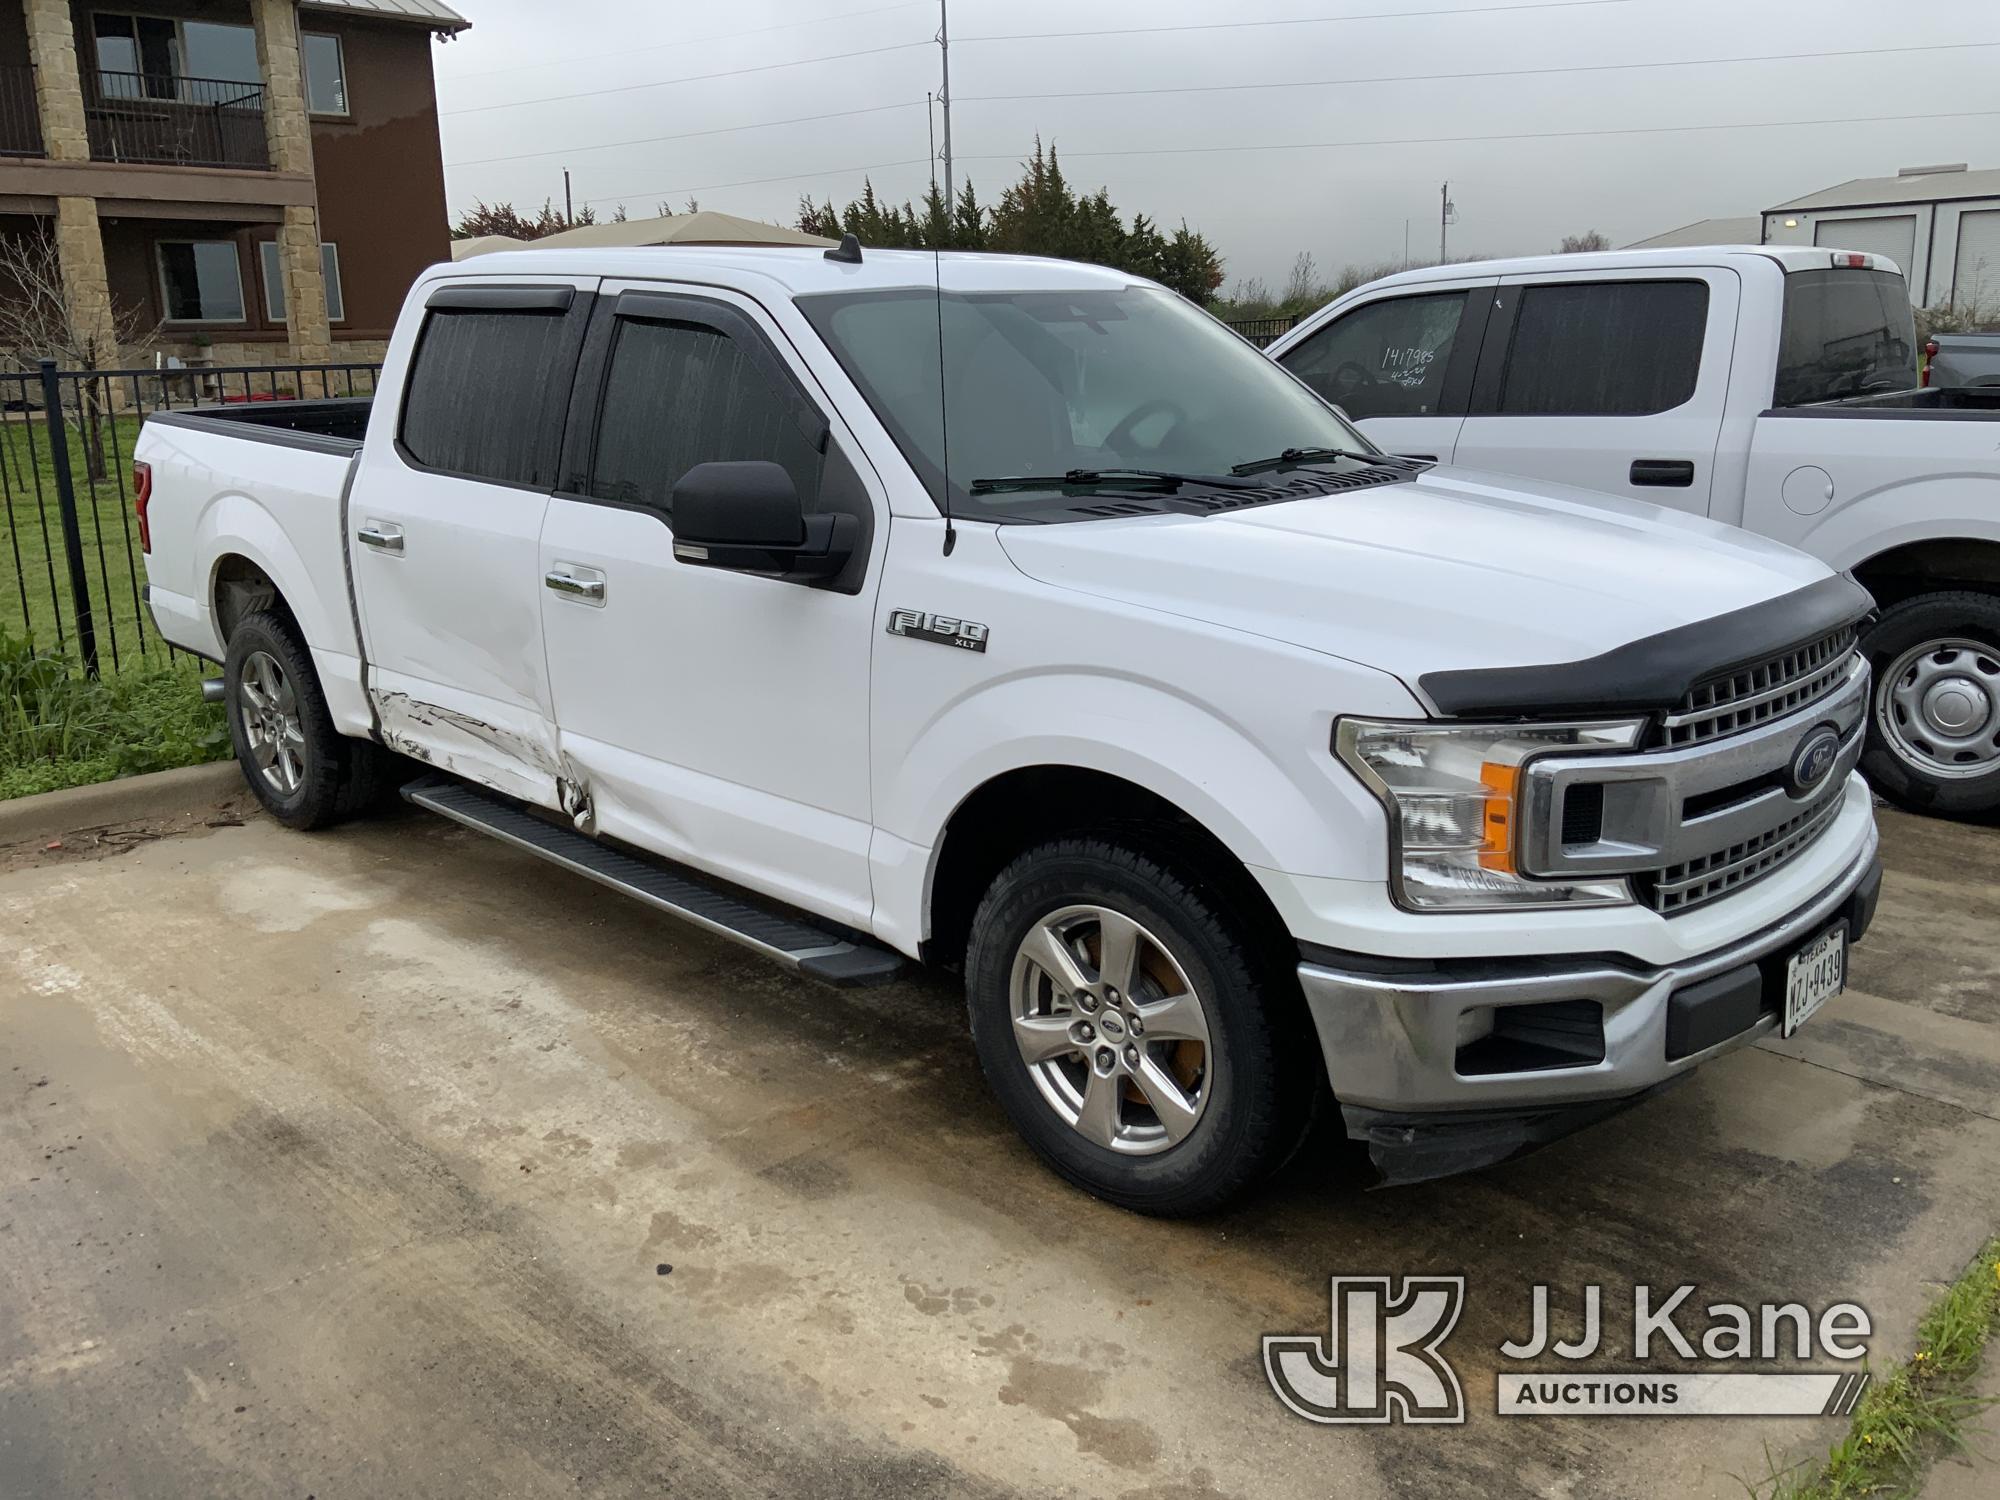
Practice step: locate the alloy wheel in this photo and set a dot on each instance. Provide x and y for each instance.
(1111, 1030)
(271, 726)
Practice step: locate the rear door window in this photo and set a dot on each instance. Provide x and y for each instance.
(1604, 348)
(1846, 333)
(486, 393)
(679, 394)
(1385, 359)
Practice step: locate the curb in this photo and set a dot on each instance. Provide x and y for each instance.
(161, 794)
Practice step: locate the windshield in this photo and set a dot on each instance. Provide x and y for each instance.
(1067, 383)
(1846, 333)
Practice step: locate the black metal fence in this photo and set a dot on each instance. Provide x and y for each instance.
(20, 113)
(67, 525)
(1261, 331)
(192, 122)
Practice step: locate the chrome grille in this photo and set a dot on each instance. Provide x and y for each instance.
(1765, 690)
(1680, 887)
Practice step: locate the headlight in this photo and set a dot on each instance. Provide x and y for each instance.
(1451, 794)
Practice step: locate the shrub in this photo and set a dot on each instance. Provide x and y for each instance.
(60, 729)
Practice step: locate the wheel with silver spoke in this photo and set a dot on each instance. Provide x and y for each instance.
(304, 772)
(1111, 1028)
(269, 706)
(1934, 734)
(1132, 1022)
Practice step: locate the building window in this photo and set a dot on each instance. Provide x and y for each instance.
(326, 74)
(201, 281)
(274, 281)
(150, 57)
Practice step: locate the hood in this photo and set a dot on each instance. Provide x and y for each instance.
(1455, 571)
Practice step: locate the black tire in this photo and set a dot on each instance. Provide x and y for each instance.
(338, 777)
(1260, 1077)
(1893, 762)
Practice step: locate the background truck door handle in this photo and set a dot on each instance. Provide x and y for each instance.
(1667, 473)
(381, 535)
(585, 585)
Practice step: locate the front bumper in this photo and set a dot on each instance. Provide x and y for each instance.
(1434, 1090)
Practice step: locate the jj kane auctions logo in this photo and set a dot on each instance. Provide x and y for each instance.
(1382, 1359)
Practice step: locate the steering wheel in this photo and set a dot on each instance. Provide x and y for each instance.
(1348, 378)
(1116, 439)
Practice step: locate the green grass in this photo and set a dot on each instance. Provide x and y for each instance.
(1917, 1411)
(31, 534)
(59, 728)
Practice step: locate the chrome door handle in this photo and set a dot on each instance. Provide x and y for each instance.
(381, 536)
(589, 590)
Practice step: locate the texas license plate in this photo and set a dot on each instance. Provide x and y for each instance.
(1815, 975)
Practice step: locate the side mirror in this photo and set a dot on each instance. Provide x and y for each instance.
(746, 516)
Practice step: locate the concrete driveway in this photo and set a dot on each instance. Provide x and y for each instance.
(354, 1165)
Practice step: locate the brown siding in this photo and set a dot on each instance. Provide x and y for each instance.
(380, 171)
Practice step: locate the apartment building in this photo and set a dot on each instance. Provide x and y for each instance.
(235, 181)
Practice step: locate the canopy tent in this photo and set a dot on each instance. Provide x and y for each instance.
(479, 244)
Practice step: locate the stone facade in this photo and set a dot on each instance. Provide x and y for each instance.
(86, 286)
(58, 88)
(288, 131)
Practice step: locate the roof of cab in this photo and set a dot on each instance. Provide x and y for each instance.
(1787, 257)
(802, 270)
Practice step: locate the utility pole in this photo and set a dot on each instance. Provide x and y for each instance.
(944, 90)
(1406, 244)
(1446, 213)
(569, 209)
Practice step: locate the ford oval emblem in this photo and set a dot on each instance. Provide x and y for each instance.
(1813, 761)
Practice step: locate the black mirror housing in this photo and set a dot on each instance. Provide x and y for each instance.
(746, 516)
(750, 503)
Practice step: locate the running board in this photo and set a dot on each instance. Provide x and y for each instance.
(793, 941)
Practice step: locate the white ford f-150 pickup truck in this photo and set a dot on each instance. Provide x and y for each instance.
(1014, 614)
(1772, 387)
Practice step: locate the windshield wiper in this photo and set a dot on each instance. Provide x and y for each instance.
(1165, 480)
(1293, 456)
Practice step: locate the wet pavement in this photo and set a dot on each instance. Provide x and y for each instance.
(391, 1162)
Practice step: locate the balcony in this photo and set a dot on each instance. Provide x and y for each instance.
(185, 122)
(20, 115)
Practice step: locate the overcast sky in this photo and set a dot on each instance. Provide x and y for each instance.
(1362, 157)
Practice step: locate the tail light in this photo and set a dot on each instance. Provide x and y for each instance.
(1930, 353)
(142, 496)
(1850, 260)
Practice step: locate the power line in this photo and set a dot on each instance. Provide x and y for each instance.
(1380, 15)
(655, 140)
(661, 83)
(693, 41)
(711, 187)
(1526, 135)
(1318, 83)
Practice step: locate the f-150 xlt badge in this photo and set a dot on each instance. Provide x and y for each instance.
(918, 625)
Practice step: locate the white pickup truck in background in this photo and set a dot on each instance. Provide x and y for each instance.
(1774, 388)
(1013, 615)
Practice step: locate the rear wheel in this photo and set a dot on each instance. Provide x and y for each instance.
(1934, 733)
(1131, 1030)
(304, 771)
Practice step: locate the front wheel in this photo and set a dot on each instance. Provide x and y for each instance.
(1132, 1031)
(1934, 730)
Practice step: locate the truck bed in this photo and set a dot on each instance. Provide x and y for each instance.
(332, 426)
(1948, 403)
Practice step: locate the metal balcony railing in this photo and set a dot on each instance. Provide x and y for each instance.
(20, 114)
(189, 122)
